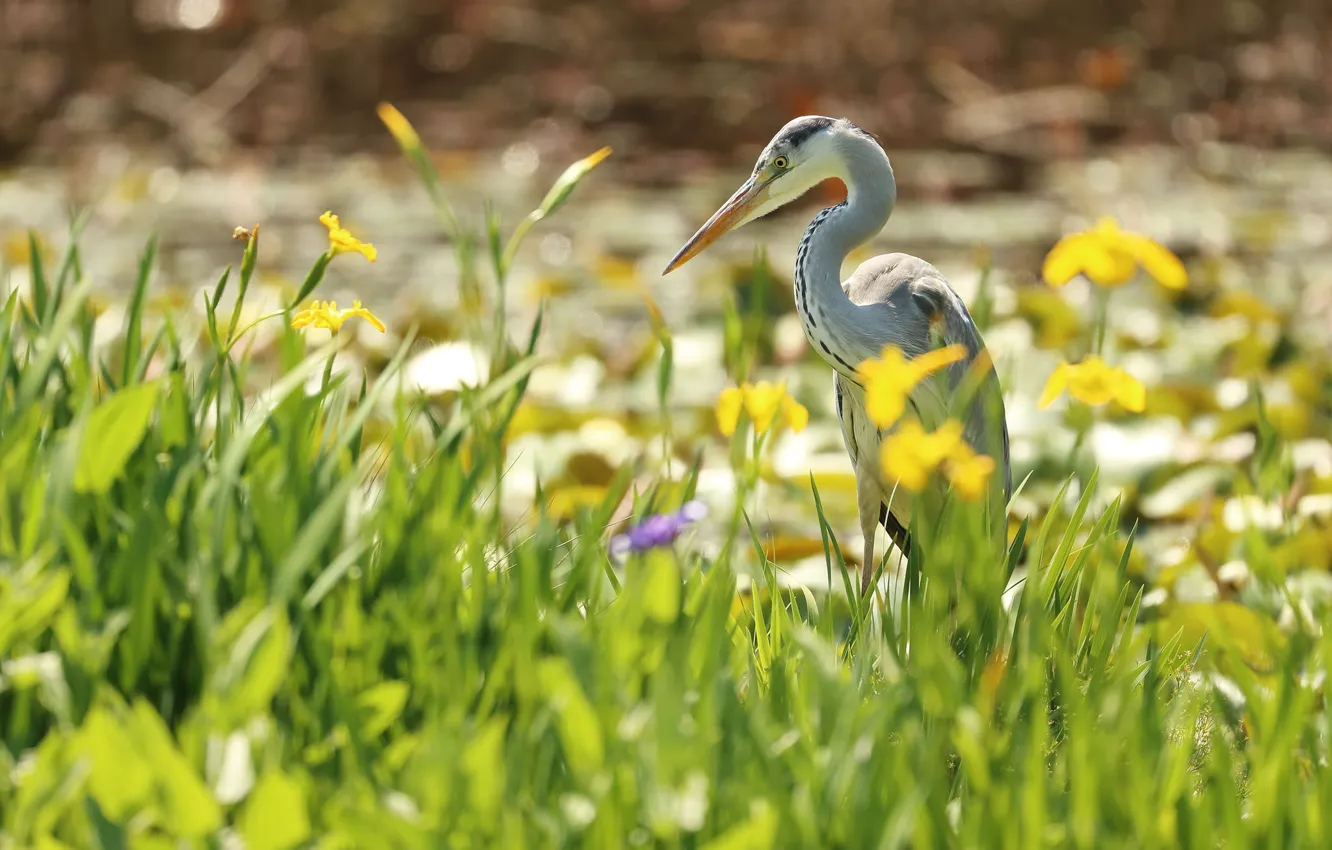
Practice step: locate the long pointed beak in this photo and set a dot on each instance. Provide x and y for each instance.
(731, 215)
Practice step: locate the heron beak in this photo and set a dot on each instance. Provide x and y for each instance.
(732, 214)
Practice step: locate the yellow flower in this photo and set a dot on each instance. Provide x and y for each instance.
(969, 472)
(890, 379)
(1094, 382)
(1244, 304)
(1108, 256)
(911, 454)
(14, 250)
(340, 241)
(762, 401)
(325, 314)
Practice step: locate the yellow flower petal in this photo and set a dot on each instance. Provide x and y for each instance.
(1244, 304)
(970, 473)
(901, 464)
(762, 402)
(1064, 262)
(1163, 266)
(1056, 384)
(1109, 256)
(934, 360)
(885, 402)
(327, 315)
(1094, 382)
(340, 240)
(943, 442)
(795, 414)
(910, 454)
(887, 380)
(1102, 262)
(358, 310)
(728, 409)
(1131, 394)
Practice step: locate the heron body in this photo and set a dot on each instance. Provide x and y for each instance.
(892, 299)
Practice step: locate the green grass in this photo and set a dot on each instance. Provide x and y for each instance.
(299, 617)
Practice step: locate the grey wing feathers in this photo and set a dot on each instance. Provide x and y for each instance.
(924, 312)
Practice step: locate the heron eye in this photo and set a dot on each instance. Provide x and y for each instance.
(781, 162)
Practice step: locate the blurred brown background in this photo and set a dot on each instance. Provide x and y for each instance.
(1024, 80)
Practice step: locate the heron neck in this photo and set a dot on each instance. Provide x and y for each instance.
(832, 322)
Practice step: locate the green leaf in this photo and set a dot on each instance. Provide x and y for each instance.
(661, 587)
(384, 702)
(758, 832)
(174, 414)
(312, 279)
(113, 432)
(134, 320)
(579, 728)
(483, 761)
(36, 602)
(275, 815)
(1232, 629)
(120, 780)
(573, 175)
(255, 660)
(188, 809)
(40, 292)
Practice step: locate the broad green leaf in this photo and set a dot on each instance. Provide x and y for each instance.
(256, 660)
(120, 781)
(38, 598)
(758, 832)
(112, 433)
(1228, 626)
(275, 815)
(188, 809)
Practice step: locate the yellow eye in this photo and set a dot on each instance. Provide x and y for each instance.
(781, 162)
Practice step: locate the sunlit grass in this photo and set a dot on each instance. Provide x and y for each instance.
(288, 608)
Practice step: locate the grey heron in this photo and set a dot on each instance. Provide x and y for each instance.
(891, 299)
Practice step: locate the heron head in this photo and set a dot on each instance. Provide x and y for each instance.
(803, 154)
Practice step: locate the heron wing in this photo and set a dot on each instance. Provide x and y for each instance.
(914, 308)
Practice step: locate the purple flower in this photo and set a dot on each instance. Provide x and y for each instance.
(657, 530)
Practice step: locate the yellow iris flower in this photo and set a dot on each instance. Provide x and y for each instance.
(890, 379)
(762, 402)
(1095, 382)
(325, 314)
(1108, 256)
(1244, 304)
(911, 454)
(969, 472)
(340, 240)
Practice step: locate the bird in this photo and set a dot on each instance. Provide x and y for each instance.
(890, 300)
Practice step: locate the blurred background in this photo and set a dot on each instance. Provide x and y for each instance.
(1205, 124)
(1026, 80)
(974, 98)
